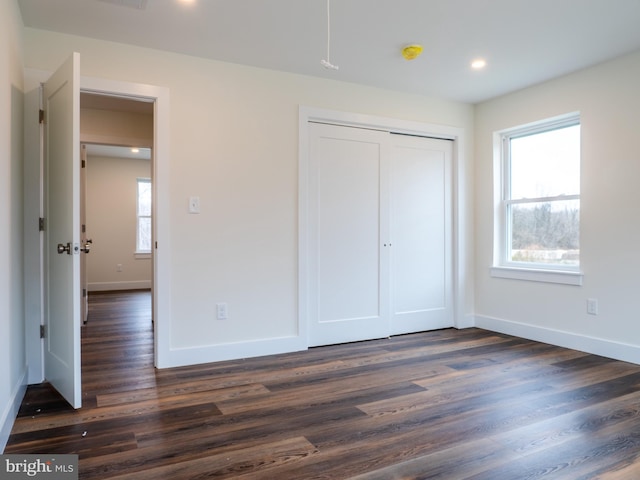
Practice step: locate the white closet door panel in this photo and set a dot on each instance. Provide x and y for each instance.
(346, 188)
(348, 218)
(421, 234)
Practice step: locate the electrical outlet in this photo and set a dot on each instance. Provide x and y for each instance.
(221, 311)
(119, 267)
(592, 306)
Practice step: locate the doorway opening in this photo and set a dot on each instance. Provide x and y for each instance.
(56, 352)
(117, 136)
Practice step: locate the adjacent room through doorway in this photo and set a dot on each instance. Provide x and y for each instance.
(117, 139)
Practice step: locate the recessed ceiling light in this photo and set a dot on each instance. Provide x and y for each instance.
(478, 64)
(135, 150)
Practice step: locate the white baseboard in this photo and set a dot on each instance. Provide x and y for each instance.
(11, 409)
(110, 286)
(178, 357)
(597, 346)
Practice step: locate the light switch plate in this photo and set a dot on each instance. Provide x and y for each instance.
(194, 204)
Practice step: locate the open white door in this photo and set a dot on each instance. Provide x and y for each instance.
(61, 96)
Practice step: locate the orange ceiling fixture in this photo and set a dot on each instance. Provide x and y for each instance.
(411, 52)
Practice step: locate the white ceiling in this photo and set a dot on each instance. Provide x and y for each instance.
(524, 41)
(117, 104)
(113, 151)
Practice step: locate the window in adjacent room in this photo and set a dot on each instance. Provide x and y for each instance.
(143, 237)
(538, 224)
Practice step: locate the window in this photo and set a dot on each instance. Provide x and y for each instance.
(538, 228)
(143, 237)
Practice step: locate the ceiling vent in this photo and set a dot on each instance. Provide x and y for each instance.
(137, 4)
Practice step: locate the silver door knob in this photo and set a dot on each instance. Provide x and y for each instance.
(87, 246)
(64, 248)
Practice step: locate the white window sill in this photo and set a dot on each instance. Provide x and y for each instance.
(532, 275)
(141, 255)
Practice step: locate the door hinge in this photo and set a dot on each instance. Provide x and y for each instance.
(42, 331)
(84, 228)
(84, 292)
(83, 163)
(41, 224)
(41, 116)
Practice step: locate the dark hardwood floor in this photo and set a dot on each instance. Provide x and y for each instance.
(447, 404)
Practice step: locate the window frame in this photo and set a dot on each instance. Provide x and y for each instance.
(503, 266)
(142, 253)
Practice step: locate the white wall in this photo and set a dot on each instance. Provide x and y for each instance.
(116, 127)
(609, 101)
(111, 224)
(13, 370)
(111, 219)
(234, 140)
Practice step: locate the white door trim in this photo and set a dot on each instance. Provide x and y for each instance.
(161, 166)
(460, 248)
(161, 201)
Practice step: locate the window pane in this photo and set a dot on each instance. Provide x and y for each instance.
(546, 164)
(545, 232)
(144, 234)
(144, 198)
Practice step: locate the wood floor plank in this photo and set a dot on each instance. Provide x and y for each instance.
(230, 464)
(449, 463)
(579, 423)
(129, 411)
(262, 424)
(209, 390)
(575, 459)
(207, 463)
(320, 392)
(461, 386)
(450, 404)
(628, 469)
